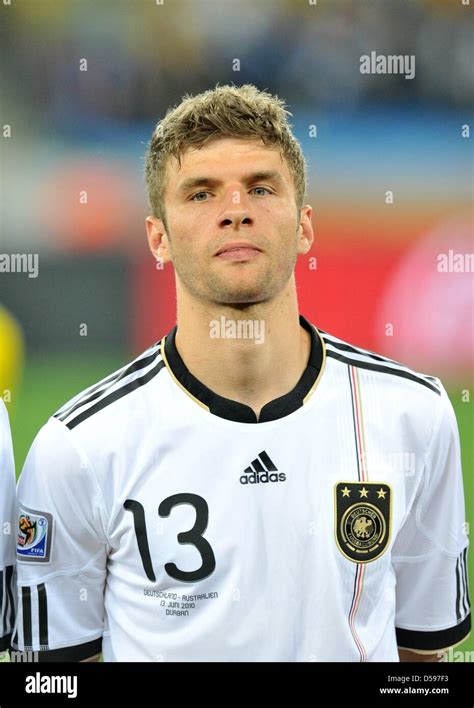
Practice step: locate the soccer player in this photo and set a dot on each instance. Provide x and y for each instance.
(8, 530)
(250, 488)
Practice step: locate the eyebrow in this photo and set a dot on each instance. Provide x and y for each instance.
(261, 175)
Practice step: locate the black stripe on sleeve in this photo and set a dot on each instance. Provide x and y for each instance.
(382, 369)
(79, 652)
(365, 352)
(11, 597)
(7, 600)
(94, 393)
(4, 623)
(116, 395)
(466, 579)
(43, 615)
(433, 641)
(458, 588)
(27, 624)
(465, 608)
(101, 386)
(5, 642)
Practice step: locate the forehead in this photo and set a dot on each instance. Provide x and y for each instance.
(228, 157)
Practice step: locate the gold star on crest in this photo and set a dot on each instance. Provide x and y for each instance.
(381, 493)
(363, 492)
(345, 492)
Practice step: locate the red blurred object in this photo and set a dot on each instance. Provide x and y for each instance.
(88, 205)
(340, 296)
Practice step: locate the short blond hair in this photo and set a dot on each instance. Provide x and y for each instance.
(225, 111)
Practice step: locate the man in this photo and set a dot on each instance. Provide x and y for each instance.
(236, 492)
(7, 537)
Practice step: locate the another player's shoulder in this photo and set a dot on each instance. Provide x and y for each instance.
(5, 434)
(113, 388)
(7, 466)
(4, 422)
(390, 371)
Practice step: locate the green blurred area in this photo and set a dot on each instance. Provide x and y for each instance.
(48, 383)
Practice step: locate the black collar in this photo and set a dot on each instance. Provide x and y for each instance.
(239, 412)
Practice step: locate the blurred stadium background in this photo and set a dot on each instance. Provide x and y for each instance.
(74, 131)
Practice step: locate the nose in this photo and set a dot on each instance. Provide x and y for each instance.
(235, 213)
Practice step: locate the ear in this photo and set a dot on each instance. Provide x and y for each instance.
(305, 230)
(158, 239)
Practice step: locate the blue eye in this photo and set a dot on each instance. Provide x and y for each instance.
(198, 194)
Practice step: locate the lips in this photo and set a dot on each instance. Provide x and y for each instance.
(242, 246)
(239, 254)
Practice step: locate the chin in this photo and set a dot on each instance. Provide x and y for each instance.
(238, 291)
(240, 297)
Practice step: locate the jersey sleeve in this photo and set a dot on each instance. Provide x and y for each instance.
(7, 537)
(429, 555)
(61, 551)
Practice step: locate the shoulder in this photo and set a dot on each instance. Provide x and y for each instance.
(4, 422)
(388, 370)
(7, 463)
(93, 422)
(102, 397)
(5, 434)
(400, 397)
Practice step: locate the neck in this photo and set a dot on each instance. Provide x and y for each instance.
(251, 355)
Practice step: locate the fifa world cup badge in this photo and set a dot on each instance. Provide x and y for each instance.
(362, 519)
(35, 529)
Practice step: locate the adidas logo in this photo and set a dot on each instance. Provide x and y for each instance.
(262, 470)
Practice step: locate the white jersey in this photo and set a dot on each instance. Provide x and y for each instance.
(8, 531)
(160, 521)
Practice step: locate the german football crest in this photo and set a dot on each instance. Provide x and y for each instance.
(362, 519)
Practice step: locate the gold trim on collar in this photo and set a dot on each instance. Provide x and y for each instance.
(323, 364)
(190, 395)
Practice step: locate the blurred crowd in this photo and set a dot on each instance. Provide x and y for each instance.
(76, 129)
(143, 54)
